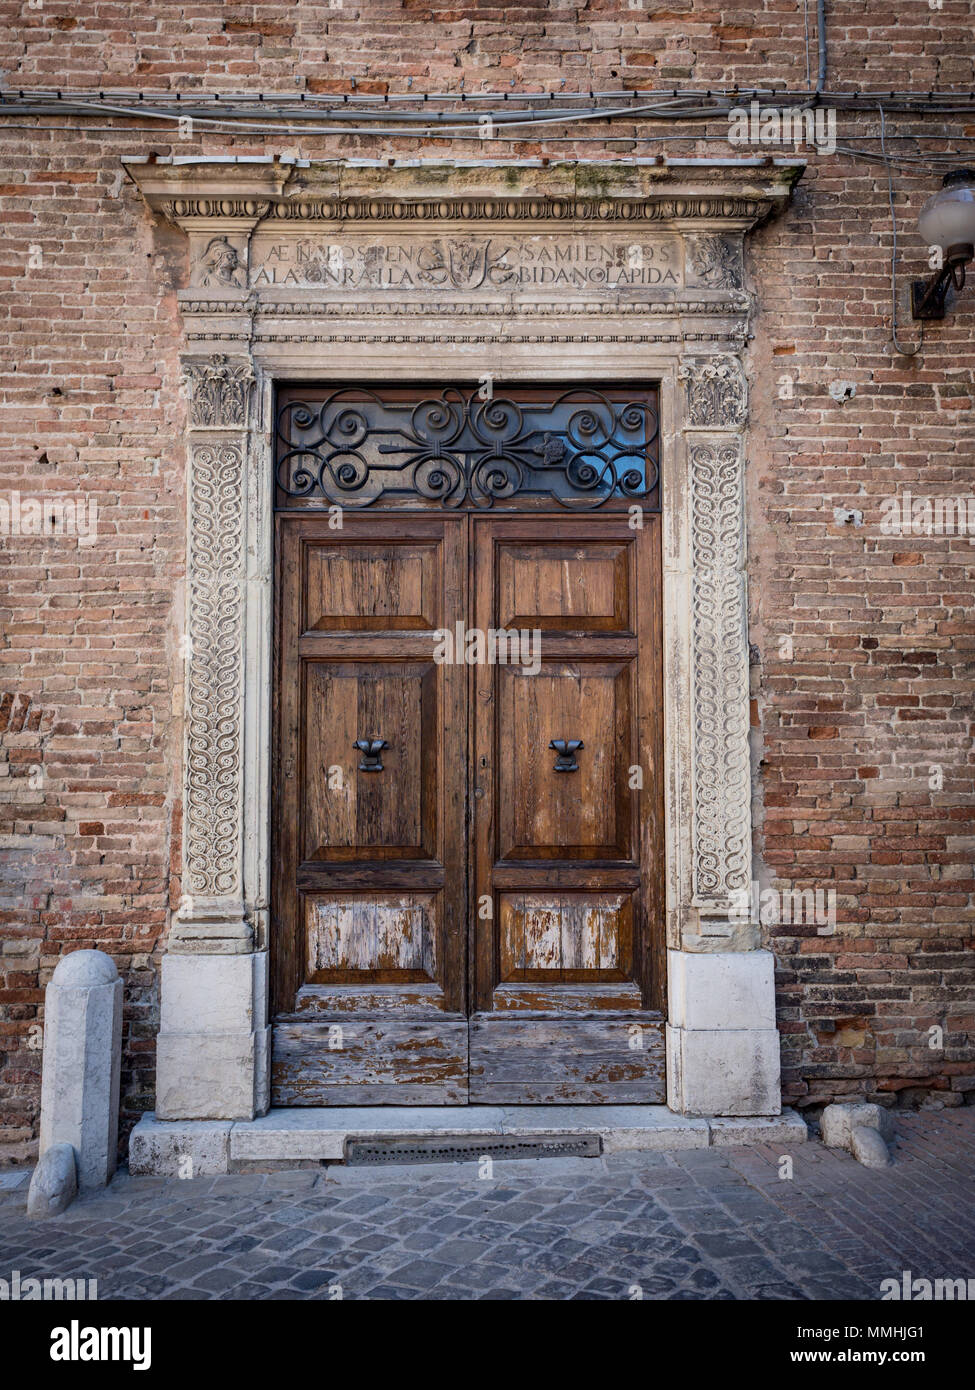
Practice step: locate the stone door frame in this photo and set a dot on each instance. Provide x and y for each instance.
(242, 334)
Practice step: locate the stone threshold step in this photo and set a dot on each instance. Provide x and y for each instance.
(164, 1148)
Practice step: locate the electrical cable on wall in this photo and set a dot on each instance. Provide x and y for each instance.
(905, 352)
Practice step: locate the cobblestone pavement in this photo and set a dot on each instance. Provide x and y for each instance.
(705, 1224)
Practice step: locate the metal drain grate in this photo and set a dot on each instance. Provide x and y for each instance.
(454, 1149)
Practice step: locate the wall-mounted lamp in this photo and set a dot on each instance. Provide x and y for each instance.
(947, 220)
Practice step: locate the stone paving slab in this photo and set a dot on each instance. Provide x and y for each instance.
(714, 1223)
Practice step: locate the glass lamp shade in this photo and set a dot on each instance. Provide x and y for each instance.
(948, 218)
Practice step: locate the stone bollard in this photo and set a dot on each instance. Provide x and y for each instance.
(80, 1075)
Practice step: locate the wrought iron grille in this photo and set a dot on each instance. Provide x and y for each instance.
(449, 447)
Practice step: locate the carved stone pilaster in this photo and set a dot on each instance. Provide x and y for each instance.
(213, 1045)
(722, 1043)
(212, 917)
(719, 650)
(214, 713)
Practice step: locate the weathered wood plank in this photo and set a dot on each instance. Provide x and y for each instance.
(421, 1001)
(557, 1060)
(346, 1061)
(541, 997)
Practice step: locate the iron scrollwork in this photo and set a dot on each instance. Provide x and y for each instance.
(579, 448)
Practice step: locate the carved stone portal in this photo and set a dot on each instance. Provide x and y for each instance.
(570, 273)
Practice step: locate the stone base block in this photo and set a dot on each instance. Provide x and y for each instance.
(213, 1075)
(721, 989)
(787, 1129)
(723, 1071)
(212, 994)
(188, 1149)
(213, 1047)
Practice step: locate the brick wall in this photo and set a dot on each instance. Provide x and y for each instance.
(863, 678)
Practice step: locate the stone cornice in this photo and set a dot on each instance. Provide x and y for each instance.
(220, 195)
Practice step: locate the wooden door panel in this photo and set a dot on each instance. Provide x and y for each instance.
(566, 937)
(372, 938)
(547, 814)
(565, 585)
(369, 902)
(354, 588)
(349, 813)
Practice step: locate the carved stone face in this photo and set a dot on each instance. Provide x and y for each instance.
(221, 265)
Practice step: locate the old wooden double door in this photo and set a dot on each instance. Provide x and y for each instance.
(465, 911)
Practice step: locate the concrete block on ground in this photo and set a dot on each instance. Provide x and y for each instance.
(862, 1129)
(867, 1147)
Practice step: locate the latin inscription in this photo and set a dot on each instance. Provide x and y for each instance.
(468, 263)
